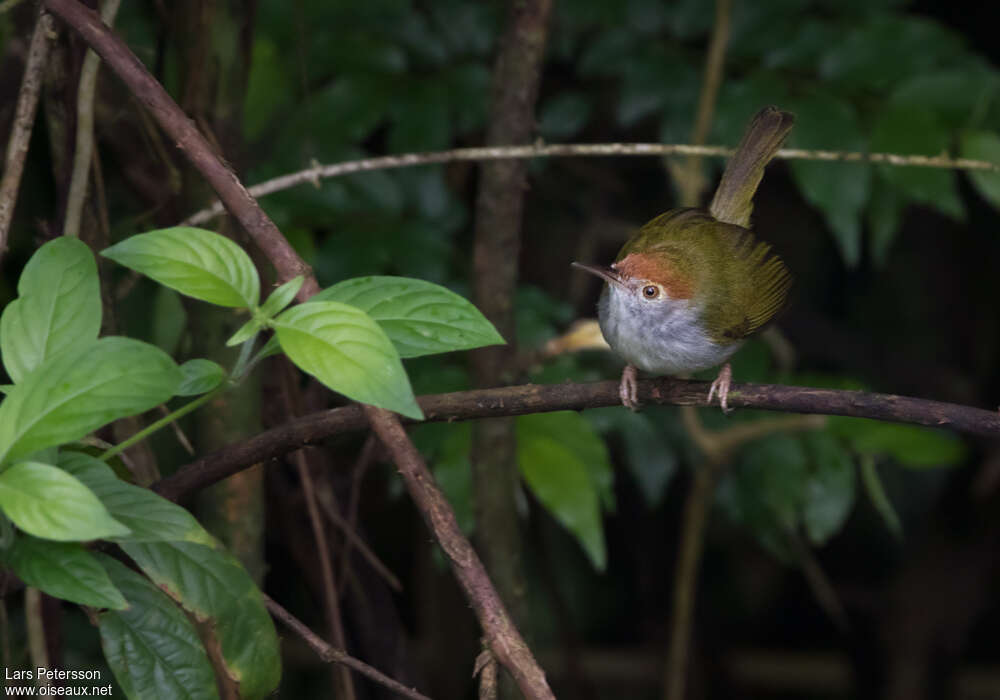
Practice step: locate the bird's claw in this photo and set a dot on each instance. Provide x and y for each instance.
(720, 386)
(628, 390)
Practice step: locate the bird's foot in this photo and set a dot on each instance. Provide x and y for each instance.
(628, 390)
(720, 386)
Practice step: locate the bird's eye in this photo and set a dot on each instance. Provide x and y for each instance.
(651, 291)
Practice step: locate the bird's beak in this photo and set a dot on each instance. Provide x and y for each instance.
(609, 274)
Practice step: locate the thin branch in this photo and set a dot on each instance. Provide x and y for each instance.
(316, 173)
(531, 398)
(501, 635)
(85, 94)
(24, 121)
(192, 143)
(363, 549)
(331, 602)
(333, 655)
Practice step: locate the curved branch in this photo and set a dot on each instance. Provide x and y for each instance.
(539, 398)
(316, 173)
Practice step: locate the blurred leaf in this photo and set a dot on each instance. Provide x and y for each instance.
(212, 585)
(830, 486)
(886, 49)
(563, 116)
(64, 570)
(199, 376)
(840, 190)
(193, 261)
(468, 87)
(58, 306)
(446, 447)
(348, 352)
(268, 89)
(739, 100)
(608, 53)
(149, 516)
(803, 48)
(421, 119)
(46, 502)
(910, 445)
(650, 458)
(566, 476)
(538, 315)
(907, 130)
(983, 145)
(74, 393)
(873, 487)
(419, 317)
(152, 647)
(577, 434)
(955, 96)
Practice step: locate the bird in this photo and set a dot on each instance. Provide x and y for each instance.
(691, 285)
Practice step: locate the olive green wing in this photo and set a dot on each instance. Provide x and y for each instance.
(757, 281)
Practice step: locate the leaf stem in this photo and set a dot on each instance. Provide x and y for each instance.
(166, 420)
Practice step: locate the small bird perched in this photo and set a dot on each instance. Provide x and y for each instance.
(691, 285)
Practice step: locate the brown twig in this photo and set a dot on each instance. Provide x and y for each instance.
(354, 500)
(352, 537)
(314, 174)
(333, 655)
(331, 602)
(501, 635)
(531, 398)
(195, 147)
(24, 121)
(84, 147)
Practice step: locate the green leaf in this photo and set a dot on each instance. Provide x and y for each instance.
(840, 190)
(878, 497)
(983, 145)
(245, 332)
(909, 130)
(199, 376)
(347, 351)
(64, 570)
(59, 306)
(46, 502)
(421, 318)
(446, 448)
(213, 585)
(910, 445)
(650, 458)
(77, 392)
(281, 297)
(830, 487)
(885, 212)
(195, 262)
(150, 517)
(152, 647)
(562, 474)
(169, 319)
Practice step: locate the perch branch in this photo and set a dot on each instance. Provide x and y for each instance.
(24, 120)
(333, 655)
(501, 634)
(117, 55)
(316, 173)
(520, 400)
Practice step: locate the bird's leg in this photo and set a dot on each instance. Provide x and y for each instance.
(628, 390)
(720, 385)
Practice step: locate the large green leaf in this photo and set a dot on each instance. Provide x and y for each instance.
(910, 130)
(830, 487)
(47, 502)
(568, 475)
(64, 570)
(910, 445)
(150, 517)
(152, 647)
(421, 318)
(195, 262)
(840, 190)
(213, 585)
(347, 351)
(78, 391)
(984, 145)
(59, 306)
